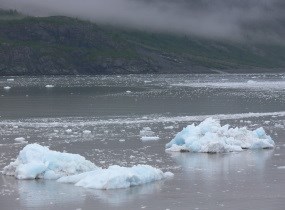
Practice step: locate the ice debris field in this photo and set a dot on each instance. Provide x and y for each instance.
(210, 137)
(38, 162)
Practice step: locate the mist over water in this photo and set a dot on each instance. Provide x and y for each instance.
(259, 20)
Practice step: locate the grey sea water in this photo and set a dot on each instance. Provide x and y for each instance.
(115, 109)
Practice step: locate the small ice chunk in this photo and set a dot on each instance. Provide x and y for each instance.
(37, 162)
(210, 137)
(278, 125)
(116, 177)
(122, 140)
(168, 127)
(49, 86)
(128, 91)
(86, 132)
(21, 140)
(7, 88)
(148, 135)
(149, 138)
(146, 131)
(10, 80)
(281, 167)
(251, 82)
(68, 130)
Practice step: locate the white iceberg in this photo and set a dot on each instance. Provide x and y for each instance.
(38, 162)
(147, 134)
(87, 132)
(68, 131)
(146, 131)
(169, 127)
(21, 140)
(150, 138)
(210, 137)
(116, 177)
(49, 86)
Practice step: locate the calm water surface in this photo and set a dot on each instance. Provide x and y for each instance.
(118, 107)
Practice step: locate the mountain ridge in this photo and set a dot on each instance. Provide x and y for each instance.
(59, 45)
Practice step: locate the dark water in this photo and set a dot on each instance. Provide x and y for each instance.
(116, 108)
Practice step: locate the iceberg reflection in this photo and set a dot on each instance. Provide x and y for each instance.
(40, 194)
(212, 167)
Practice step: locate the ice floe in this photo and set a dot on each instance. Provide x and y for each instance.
(21, 140)
(116, 177)
(66, 122)
(147, 134)
(38, 162)
(149, 138)
(250, 84)
(210, 137)
(49, 86)
(169, 127)
(87, 132)
(7, 88)
(68, 131)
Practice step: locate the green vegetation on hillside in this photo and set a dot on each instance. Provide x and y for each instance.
(63, 45)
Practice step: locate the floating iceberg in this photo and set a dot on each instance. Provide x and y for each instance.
(149, 138)
(87, 132)
(49, 86)
(146, 131)
(38, 162)
(210, 137)
(21, 140)
(116, 177)
(148, 135)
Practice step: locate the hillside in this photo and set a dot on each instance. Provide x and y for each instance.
(62, 45)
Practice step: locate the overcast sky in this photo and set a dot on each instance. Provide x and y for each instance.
(219, 19)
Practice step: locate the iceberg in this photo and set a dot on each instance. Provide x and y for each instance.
(21, 140)
(116, 177)
(147, 134)
(210, 137)
(49, 86)
(149, 138)
(87, 132)
(38, 162)
(146, 131)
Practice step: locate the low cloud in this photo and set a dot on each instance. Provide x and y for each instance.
(220, 19)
